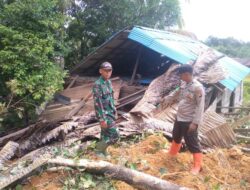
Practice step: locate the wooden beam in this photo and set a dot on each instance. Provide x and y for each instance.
(72, 82)
(131, 95)
(126, 103)
(136, 65)
(242, 130)
(219, 88)
(243, 137)
(78, 107)
(119, 36)
(230, 107)
(87, 85)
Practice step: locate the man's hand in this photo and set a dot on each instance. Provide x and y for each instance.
(192, 127)
(104, 124)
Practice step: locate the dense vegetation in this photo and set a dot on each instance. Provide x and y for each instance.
(41, 39)
(230, 46)
(236, 49)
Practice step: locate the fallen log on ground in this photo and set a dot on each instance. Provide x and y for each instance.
(34, 160)
(135, 178)
(16, 135)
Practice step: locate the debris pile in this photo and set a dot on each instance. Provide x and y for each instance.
(70, 116)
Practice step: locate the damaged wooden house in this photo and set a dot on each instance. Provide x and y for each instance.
(144, 71)
(144, 60)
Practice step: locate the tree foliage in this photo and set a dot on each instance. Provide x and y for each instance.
(230, 46)
(96, 20)
(31, 37)
(35, 34)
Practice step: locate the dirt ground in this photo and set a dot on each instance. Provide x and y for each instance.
(222, 169)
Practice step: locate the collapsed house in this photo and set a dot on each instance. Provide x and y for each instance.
(144, 62)
(144, 71)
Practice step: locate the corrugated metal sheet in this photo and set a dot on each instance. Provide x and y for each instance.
(183, 49)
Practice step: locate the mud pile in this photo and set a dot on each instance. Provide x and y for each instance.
(222, 169)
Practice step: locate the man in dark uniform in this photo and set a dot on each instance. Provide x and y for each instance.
(191, 97)
(103, 95)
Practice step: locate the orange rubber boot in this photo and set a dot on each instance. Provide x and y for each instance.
(174, 149)
(197, 163)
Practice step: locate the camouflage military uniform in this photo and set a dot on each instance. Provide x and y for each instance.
(105, 109)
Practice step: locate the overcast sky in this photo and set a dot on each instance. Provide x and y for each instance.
(221, 18)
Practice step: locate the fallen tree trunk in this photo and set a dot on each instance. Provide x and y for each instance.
(16, 135)
(136, 179)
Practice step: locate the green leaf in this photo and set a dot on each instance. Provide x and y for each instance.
(207, 179)
(216, 187)
(133, 166)
(19, 187)
(163, 171)
(243, 183)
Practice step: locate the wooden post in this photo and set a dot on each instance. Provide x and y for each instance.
(72, 82)
(136, 65)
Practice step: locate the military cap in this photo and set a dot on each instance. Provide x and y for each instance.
(106, 65)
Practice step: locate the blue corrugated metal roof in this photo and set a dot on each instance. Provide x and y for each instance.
(183, 49)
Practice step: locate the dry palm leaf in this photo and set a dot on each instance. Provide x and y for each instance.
(157, 89)
(61, 130)
(207, 67)
(8, 151)
(215, 131)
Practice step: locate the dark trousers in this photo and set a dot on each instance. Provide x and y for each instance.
(191, 138)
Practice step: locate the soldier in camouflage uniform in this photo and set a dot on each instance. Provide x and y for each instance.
(103, 95)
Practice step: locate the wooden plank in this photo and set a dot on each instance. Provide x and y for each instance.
(117, 88)
(66, 107)
(78, 107)
(79, 92)
(131, 95)
(136, 65)
(72, 82)
(230, 107)
(128, 102)
(54, 105)
(241, 130)
(243, 137)
(62, 99)
(216, 86)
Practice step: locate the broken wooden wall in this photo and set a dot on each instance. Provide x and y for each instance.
(57, 111)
